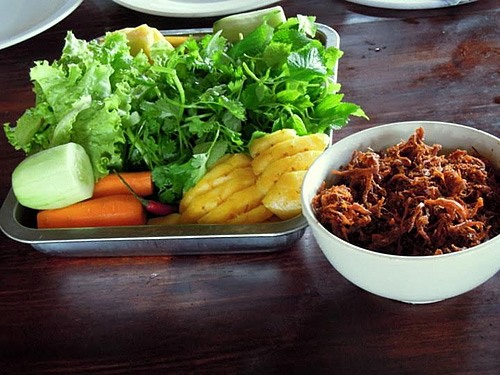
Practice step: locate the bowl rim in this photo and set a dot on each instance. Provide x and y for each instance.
(310, 216)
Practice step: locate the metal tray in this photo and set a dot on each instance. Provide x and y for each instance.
(19, 223)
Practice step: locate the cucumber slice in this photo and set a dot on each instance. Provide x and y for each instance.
(236, 26)
(54, 178)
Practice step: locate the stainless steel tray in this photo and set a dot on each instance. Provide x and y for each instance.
(19, 223)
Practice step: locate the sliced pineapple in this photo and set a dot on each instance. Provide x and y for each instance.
(258, 214)
(312, 142)
(283, 199)
(142, 38)
(211, 199)
(172, 219)
(240, 189)
(298, 162)
(237, 204)
(259, 145)
(225, 169)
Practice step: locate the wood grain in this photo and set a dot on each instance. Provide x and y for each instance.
(283, 312)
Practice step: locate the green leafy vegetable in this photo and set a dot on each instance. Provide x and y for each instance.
(177, 111)
(77, 102)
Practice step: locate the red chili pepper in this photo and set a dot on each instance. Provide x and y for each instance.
(154, 207)
(158, 208)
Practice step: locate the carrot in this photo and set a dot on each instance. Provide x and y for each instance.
(140, 182)
(111, 210)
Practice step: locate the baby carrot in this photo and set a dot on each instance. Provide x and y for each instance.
(111, 210)
(140, 182)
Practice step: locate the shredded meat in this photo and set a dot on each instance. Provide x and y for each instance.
(411, 200)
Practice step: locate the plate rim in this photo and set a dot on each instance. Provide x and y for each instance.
(410, 4)
(67, 7)
(165, 8)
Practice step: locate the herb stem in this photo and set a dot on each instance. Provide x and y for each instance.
(249, 72)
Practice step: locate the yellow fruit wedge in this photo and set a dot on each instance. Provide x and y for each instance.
(316, 141)
(222, 171)
(283, 199)
(142, 38)
(172, 219)
(238, 203)
(298, 162)
(206, 202)
(256, 215)
(259, 145)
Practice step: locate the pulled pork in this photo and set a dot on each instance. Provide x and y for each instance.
(411, 200)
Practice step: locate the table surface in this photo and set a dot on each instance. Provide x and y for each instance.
(285, 311)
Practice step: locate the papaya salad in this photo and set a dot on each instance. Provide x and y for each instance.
(151, 117)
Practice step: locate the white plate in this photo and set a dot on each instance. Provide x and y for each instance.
(193, 8)
(23, 19)
(411, 4)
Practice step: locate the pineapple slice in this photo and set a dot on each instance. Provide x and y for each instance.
(172, 219)
(262, 144)
(237, 204)
(243, 189)
(225, 169)
(298, 162)
(142, 38)
(283, 199)
(211, 199)
(316, 141)
(258, 214)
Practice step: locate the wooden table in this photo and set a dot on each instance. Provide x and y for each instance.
(283, 312)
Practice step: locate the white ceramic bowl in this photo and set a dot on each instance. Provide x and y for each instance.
(412, 279)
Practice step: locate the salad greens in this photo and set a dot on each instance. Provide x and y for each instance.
(177, 111)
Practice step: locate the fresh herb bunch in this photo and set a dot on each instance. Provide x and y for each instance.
(178, 111)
